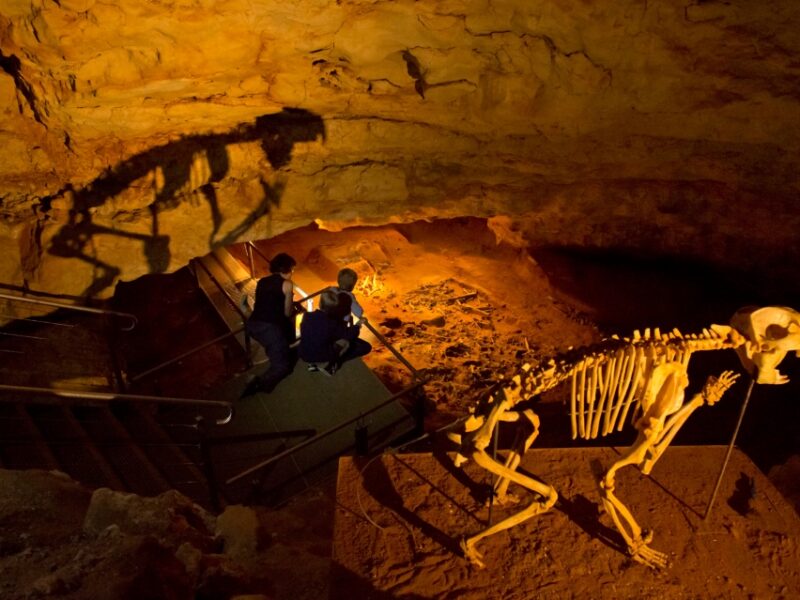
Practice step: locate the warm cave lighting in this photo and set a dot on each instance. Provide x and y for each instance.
(369, 285)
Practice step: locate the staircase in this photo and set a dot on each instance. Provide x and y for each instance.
(321, 417)
(125, 446)
(147, 447)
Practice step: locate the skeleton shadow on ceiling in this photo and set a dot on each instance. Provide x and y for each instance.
(174, 170)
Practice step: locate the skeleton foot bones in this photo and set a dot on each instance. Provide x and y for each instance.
(646, 376)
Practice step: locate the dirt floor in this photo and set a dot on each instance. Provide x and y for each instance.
(399, 519)
(467, 303)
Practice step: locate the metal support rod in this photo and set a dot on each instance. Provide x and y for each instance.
(258, 251)
(495, 434)
(208, 465)
(419, 412)
(730, 450)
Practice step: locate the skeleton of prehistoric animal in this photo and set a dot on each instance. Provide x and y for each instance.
(644, 376)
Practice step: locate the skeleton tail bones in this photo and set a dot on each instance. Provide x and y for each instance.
(645, 374)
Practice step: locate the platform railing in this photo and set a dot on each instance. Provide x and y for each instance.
(88, 397)
(85, 309)
(297, 447)
(177, 359)
(418, 405)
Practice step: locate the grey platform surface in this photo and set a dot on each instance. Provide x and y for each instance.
(303, 405)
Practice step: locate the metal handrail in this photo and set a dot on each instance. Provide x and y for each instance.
(259, 252)
(109, 396)
(249, 252)
(380, 337)
(310, 296)
(324, 434)
(97, 311)
(186, 354)
(225, 292)
(391, 348)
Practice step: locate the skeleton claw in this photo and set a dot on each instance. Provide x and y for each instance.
(651, 558)
(644, 554)
(507, 499)
(471, 554)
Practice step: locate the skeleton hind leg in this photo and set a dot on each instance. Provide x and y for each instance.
(548, 499)
(518, 449)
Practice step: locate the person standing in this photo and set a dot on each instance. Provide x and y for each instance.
(271, 323)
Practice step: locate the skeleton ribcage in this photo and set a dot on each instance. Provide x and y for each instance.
(608, 387)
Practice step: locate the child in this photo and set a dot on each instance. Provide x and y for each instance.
(327, 340)
(346, 280)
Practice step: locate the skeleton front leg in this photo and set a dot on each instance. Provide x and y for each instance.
(548, 499)
(711, 393)
(636, 540)
(653, 440)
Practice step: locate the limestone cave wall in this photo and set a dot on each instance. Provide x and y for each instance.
(138, 134)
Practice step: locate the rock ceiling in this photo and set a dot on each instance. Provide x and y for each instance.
(138, 134)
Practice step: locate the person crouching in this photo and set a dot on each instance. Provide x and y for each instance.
(326, 341)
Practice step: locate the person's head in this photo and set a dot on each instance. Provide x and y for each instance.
(347, 279)
(282, 263)
(328, 301)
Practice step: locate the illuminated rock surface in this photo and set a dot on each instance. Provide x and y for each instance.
(139, 134)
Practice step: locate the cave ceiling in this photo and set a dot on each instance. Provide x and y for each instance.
(141, 133)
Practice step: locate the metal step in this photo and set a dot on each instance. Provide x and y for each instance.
(135, 469)
(172, 444)
(72, 447)
(23, 445)
(122, 447)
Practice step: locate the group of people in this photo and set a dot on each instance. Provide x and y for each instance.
(328, 336)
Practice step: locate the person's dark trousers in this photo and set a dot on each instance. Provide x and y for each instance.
(281, 358)
(358, 347)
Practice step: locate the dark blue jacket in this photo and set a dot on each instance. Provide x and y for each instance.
(318, 334)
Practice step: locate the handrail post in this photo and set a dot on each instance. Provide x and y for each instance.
(361, 434)
(418, 411)
(208, 465)
(120, 382)
(248, 347)
(248, 248)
